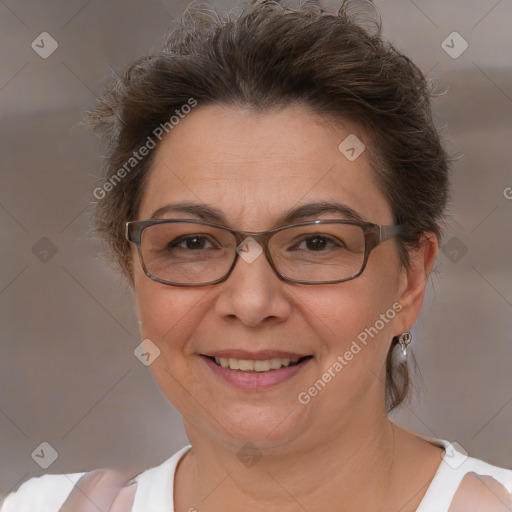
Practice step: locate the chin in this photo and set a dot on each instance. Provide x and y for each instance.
(265, 428)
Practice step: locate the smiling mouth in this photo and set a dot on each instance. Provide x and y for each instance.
(256, 366)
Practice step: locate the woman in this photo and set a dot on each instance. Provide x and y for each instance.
(275, 195)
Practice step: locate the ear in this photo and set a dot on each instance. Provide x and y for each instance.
(413, 281)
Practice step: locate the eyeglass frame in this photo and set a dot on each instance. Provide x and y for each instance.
(374, 235)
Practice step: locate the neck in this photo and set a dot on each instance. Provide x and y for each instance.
(347, 469)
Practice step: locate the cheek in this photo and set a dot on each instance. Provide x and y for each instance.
(167, 314)
(356, 316)
(168, 318)
(353, 328)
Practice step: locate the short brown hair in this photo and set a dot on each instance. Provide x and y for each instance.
(267, 57)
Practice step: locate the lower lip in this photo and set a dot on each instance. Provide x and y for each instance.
(255, 380)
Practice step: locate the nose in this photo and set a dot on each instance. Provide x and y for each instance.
(253, 293)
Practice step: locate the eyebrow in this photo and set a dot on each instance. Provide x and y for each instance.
(202, 211)
(315, 209)
(209, 213)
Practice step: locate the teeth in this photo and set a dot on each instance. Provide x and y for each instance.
(245, 365)
(248, 365)
(234, 364)
(275, 364)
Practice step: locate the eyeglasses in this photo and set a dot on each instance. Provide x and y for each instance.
(183, 252)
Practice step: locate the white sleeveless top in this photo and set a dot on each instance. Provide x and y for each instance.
(155, 492)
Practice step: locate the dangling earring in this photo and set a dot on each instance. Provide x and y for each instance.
(404, 339)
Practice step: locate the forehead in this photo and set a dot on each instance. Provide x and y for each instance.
(254, 167)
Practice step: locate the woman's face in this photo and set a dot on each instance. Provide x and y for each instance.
(252, 170)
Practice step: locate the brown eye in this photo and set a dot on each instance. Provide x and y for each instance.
(318, 243)
(192, 242)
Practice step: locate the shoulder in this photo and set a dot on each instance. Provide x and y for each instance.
(466, 484)
(46, 493)
(478, 492)
(49, 493)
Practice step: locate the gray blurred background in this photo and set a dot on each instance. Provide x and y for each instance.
(68, 376)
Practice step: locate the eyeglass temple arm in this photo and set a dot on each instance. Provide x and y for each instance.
(386, 232)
